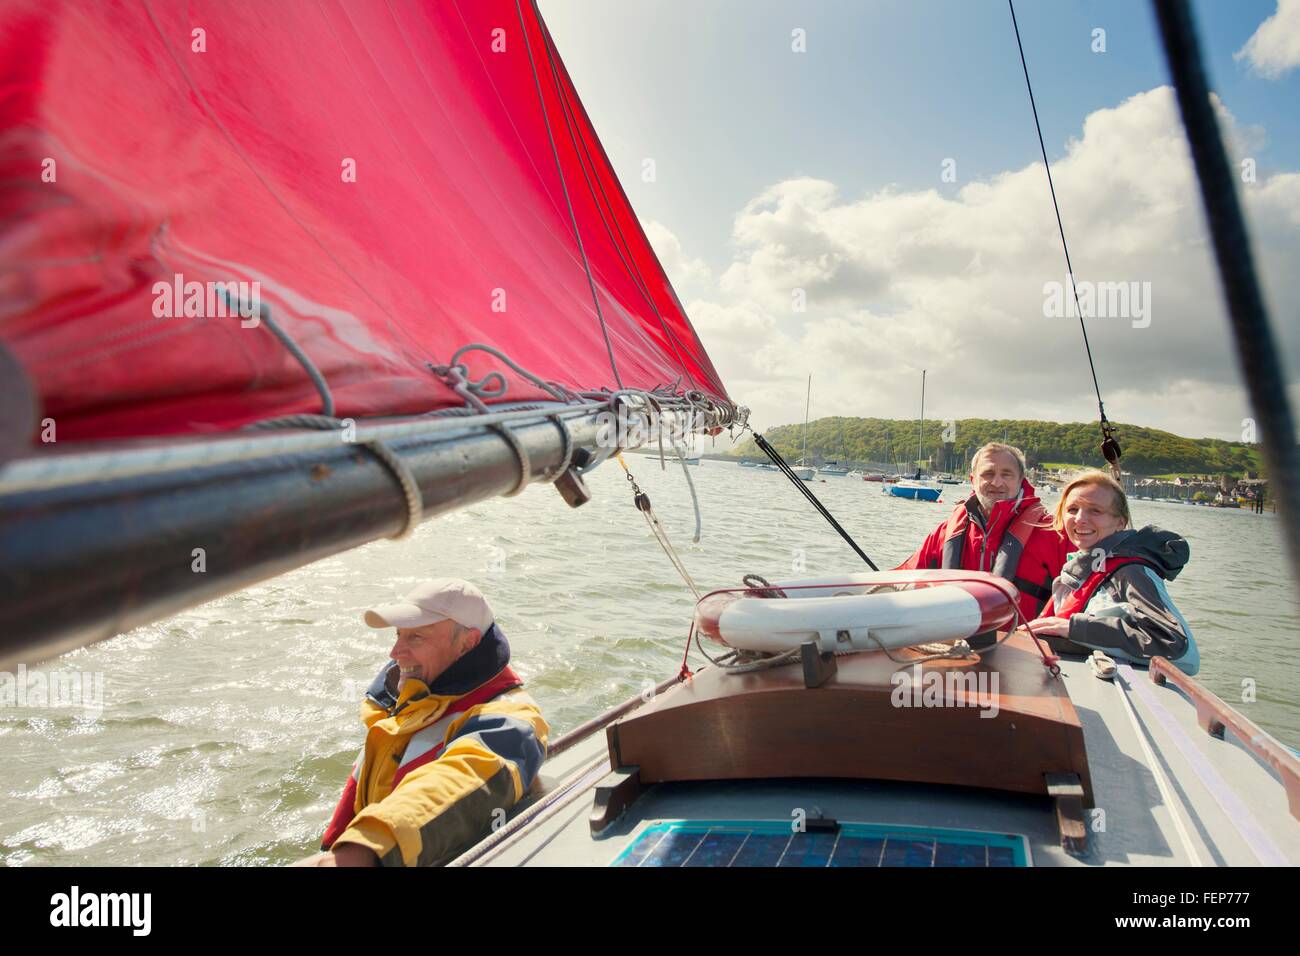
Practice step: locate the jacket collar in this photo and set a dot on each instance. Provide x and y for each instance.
(1000, 510)
(473, 670)
(1163, 551)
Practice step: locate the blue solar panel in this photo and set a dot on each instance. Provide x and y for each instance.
(961, 854)
(773, 843)
(815, 849)
(1002, 856)
(859, 851)
(718, 848)
(674, 849)
(761, 850)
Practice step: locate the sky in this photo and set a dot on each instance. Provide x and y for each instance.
(853, 190)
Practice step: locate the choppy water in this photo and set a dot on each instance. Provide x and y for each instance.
(228, 731)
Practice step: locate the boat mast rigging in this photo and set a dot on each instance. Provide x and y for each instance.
(807, 404)
(1110, 448)
(920, 430)
(783, 466)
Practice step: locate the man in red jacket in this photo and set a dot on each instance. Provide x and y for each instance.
(1002, 528)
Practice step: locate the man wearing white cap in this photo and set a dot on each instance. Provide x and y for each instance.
(452, 737)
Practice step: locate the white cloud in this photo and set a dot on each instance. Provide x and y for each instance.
(682, 270)
(899, 281)
(1274, 48)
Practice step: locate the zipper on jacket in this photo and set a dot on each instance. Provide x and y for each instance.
(980, 520)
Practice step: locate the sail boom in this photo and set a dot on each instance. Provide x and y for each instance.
(84, 561)
(119, 459)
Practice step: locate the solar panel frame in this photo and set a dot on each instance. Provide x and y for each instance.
(774, 843)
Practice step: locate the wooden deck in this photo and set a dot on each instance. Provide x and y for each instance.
(1163, 791)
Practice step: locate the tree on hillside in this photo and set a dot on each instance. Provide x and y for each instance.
(1147, 451)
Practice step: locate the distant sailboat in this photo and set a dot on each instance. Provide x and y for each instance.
(916, 488)
(833, 469)
(801, 467)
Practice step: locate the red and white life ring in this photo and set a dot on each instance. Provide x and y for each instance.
(840, 614)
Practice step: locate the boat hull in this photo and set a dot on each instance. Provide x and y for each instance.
(916, 494)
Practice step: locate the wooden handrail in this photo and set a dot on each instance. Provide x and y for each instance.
(1213, 714)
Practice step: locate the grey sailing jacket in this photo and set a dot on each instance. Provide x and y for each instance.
(1131, 616)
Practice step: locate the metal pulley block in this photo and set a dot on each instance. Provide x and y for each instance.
(570, 484)
(572, 488)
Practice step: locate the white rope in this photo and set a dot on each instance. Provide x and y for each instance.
(695, 501)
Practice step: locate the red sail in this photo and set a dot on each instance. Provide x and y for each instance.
(400, 179)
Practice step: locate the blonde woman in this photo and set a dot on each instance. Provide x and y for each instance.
(1110, 597)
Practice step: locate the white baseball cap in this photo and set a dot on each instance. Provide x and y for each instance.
(441, 599)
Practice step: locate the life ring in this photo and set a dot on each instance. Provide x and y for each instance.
(841, 614)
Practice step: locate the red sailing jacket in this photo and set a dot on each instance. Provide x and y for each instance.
(1030, 556)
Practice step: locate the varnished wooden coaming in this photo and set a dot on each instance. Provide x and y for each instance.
(718, 726)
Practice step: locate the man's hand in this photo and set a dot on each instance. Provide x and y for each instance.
(1050, 627)
(343, 854)
(354, 854)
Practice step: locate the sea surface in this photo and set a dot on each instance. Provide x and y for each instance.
(228, 731)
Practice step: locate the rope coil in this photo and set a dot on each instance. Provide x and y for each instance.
(494, 385)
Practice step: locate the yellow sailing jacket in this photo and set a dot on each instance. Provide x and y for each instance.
(441, 765)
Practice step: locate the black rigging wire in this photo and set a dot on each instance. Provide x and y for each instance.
(599, 195)
(799, 483)
(1110, 446)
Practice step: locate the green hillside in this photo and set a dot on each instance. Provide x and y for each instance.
(1147, 451)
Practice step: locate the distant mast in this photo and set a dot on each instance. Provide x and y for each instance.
(806, 405)
(920, 428)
